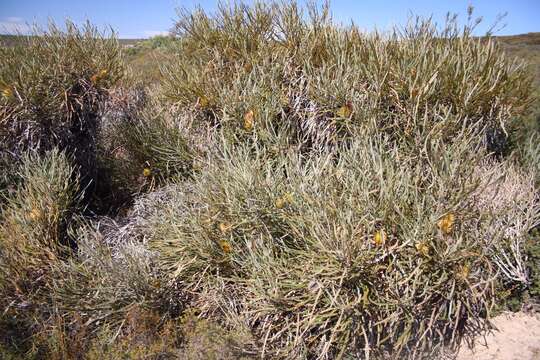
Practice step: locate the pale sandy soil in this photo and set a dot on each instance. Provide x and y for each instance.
(517, 338)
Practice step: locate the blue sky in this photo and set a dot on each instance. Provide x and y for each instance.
(138, 18)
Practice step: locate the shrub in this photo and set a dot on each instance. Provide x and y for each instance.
(383, 240)
(103, 284)
(511, 198)
(254, 69)
(65, 281)
(112, 273)
(376, 251)
(141, 147)
(525, 139)
(157, 149)
(163, 42)
(52, 85)
(144, 335)
(33, 235)
(119, 176)
(141, 59)
(309, 192)
(533, 257)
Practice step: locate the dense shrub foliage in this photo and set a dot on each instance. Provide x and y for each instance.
(254, 69)
(33, 236)
(52, 85)
(290, 189)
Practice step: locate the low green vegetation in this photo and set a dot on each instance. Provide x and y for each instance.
(280, 187)
(143, 55)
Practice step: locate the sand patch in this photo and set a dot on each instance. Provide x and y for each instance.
(517, 337)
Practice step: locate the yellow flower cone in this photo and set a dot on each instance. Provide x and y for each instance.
(203, 102)
(224, 227)
(345, 111)
(34, 214)
(464, 272)
(249, 119)
(284, 200)
(7, 92)
(379, 238)
(99, 76)
(422, 248)
(284, 99)
(225, 246)
(446, 223)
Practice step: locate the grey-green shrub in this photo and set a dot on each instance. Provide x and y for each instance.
(509, 196)
(141, 146)
(33, 231)
(326, 83)
(288, 247)
(322, 192)
(61, 273)
(376, 242)
(52, 86)
(102, 283)
(113, 272)
(158, 150)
